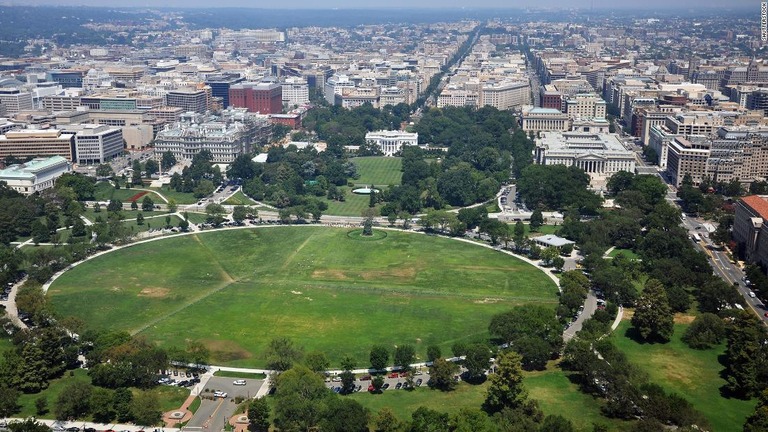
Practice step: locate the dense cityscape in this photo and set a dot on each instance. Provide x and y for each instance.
(535, 219)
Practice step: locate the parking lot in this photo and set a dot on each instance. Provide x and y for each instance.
(391, 381)
(213, 413)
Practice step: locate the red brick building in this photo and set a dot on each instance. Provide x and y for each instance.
(291, 119)
(264, 98)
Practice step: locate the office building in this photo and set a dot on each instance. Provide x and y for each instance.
(220, 85)
(264, 98)
(225, 141)
(96, 144)
(30, 143)
(585, 105)
(545, 119)
(15, 100)
(295, 92)
(687, 155)
(599, 155)
(67, 78)
(506, 95)
(36, 175)
(190, 100)
(750, 231)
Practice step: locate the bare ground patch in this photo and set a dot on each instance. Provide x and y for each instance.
(225, 350)
(154, 292)
(329, 274)
(684, 318)
(488, 300)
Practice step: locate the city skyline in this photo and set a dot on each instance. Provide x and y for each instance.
(406, 4)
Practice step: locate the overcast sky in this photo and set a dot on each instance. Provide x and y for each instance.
(357, 4)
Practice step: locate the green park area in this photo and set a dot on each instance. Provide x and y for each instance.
(378, 171)
(323, 288)
(693, 374)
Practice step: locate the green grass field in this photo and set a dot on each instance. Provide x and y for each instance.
(244, 375)
(629, 253)
(352, 206)
(27, 401)
(693, 374)
(378, 170)
(239, 198)
(551, 388)
(180, 197)
(105, 192)
(317, 286)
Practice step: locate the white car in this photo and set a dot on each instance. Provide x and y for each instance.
(220, 394)
(239, 382)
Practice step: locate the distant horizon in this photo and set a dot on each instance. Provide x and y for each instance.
(602, 5)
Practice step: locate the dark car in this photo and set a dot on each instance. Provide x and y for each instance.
(419, 382)
(398, 386)
(385, 386)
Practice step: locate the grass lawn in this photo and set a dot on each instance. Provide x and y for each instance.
(318, 286)
(180, 197)
(378, 170)
(27, 401)
(551, 388)
(196, 218)
(244, 375)
(558, 395)
(543, 230)
(693, 374)
(629, 253)
(104, 191)
(352, 206)
(170, 398)
(403, 403)
(239, 198)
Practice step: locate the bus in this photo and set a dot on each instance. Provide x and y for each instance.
(696, 237)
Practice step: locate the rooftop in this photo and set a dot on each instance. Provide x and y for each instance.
(757, 203)
(29, 169)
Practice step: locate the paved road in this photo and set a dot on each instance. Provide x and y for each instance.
(61, 425)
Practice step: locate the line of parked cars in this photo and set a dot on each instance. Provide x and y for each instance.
(179, 380)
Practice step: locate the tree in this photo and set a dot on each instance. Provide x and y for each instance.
(706, 331)
(534, 351)
(404, 356)
(139, 219)
(758, 421)
(172, 205)
(433, 353)
(151, 167)
(379, 357)
(134, 205)
(530, 321)
(653, 318)
(298, 400)
(282, 353)
(167, 160)
(147, 204)
(73, 402)
(215, 214)
(78, 228)
(122, 401)
(239, 213)
(537, 220)
(41, 406)
(377, 382)
(102, 405)
(104, 170)
(472, 420)
(317, 361)
(441, 374)
(519, 236)
(556, 423)
(28, 425)
(9, 400)
(114, 206)
(506, 389)
(40, 232)
(386, 421)
(477, 360)
(203, 188)
(746, 357)
(344, 415)
(258, 415)
(428, 420)
(242, 168)
(146, 409)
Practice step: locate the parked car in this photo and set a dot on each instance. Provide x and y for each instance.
(419, 382)
(219, 394)
(398, 386)
(240, 382)
(385, 386)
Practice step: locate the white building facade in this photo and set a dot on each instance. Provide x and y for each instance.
(391, 142)
(36, 175)
(600, 155)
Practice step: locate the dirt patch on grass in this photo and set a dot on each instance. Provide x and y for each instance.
(223, 350)
(483, 268)
(329, 274)
(684, 319)
(154, 292)
(395, 273)
(488, 300)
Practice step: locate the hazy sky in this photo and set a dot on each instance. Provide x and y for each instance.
(357, 4)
